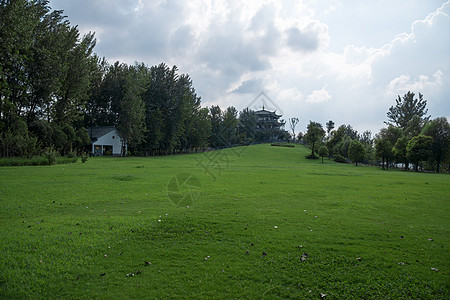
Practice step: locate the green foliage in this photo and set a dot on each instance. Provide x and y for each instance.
(330, 126)
(406, 108)
(84, 157)
(44, 74)
(246, 126)
(50, 154)
(356, 152)
(419, 149)
(72, 153)
(439, 130)
(282, 145)
(400, 151)
(384, 143)
(314, 135)
(339, 158)
(340, 139)
(323, 151)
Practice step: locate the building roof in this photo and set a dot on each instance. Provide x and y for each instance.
(96, 132)
(266, 112)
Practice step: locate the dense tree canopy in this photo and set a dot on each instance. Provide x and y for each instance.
(439, 130)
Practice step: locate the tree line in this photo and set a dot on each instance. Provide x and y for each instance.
(410, 138)
(53, 87)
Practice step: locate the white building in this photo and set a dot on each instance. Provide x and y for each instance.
(105, 140)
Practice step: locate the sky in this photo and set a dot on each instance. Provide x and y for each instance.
(340, 60)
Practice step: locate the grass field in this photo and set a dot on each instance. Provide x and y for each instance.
(267, 224)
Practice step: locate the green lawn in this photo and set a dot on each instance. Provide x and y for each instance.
(267, 224)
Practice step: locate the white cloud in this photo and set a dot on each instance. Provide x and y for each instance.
(319, 96)
(403, 83)
(299, 52)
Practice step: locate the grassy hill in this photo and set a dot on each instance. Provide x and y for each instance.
(251, 222)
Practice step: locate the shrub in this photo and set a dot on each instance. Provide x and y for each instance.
(283, 145)
(84, 157)
(72, 154)
(339, 158)
(50, 154)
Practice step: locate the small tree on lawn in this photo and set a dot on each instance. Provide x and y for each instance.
(314, 135)
(323, 151)
(356, 152)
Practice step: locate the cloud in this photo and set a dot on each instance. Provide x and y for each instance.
(301, 53)
(318, 96)
(252, 86)
(309, 38)
(403, 83)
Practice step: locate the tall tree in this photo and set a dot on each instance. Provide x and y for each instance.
(246, 125)
(406, 108)
(439, 130)
(330, 126)
(230, 123)
(314, 135)
(292, 124)
(216, 138)
(131, 116)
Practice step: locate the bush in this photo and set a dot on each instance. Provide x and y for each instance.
(72, 154)
(311, 156)
(84, 157)
(339, 158)
(283, 145)
(66, 160)
(51, 154)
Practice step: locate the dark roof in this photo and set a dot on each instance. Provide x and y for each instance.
(266, 112)
(96, 132)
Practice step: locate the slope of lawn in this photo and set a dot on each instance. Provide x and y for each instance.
(267, 224)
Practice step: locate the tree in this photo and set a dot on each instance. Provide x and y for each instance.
(400, 152)
(216, 140)
(314, 135)
(383, 150)
(419, 149)
(246, 125)
(230, 123)
(406, 108)
(330, 126)
(199, 129)
(385, 141)
(439, 130)
(131, 117)
(323, 151)
(293, 123)
(356, 152)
